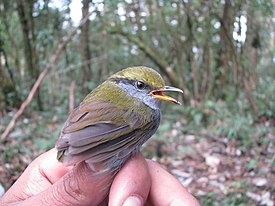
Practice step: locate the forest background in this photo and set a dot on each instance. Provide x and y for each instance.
(219, 144)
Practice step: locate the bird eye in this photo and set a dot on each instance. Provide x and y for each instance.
(140, 85)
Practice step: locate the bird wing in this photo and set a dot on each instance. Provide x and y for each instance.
(94, 131)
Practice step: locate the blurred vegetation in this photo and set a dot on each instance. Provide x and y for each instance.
(221, 53)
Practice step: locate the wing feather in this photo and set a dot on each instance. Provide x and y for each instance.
(100, 132)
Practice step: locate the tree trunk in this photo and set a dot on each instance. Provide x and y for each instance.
(85, 49)
(252, 46)
(225, 35)
(191, 58)
(7, 86)
(206, 70)
(25, 10)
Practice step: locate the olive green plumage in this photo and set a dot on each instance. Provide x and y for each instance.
(114, 120)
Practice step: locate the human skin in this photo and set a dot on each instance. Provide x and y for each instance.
(139, 182)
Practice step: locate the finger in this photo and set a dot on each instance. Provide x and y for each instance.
(79, 186)
(131, 185)
(166, 189)
(39, 175)
(51, 168)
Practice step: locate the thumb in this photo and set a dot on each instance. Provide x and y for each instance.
(78, 187)
(47, 182)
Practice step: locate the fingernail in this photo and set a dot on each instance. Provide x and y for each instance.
(132, 201)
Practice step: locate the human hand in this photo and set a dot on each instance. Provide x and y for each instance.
(139, 182)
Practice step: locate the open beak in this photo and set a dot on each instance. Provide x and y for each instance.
(158, 93)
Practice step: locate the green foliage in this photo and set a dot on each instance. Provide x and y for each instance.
(251, 164)
(235, 126)
(265, 95)
(170, 29)
(10, 152)
(42, 144)
(188, 36)
(209, 199)
(235, 199)
(232, 198)
(225, 119)
(234, 119)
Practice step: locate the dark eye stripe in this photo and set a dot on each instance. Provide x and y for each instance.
(132, 82)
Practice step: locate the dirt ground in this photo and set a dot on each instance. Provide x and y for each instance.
(214, 169)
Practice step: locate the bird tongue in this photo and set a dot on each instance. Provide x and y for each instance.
(158, 93)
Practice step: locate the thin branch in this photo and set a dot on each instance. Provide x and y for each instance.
(154, 56)
(71, 96)
(42, 75)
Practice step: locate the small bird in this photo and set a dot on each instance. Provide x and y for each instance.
(114, 120)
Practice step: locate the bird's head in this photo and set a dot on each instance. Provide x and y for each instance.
(144, 84)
